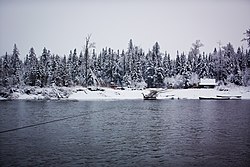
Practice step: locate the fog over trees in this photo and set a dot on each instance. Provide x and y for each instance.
(133, 67)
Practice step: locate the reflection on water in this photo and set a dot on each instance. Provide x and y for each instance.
(125, 133)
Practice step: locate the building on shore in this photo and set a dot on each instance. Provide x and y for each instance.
(207, 83)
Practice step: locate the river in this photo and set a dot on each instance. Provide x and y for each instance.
(125, 133)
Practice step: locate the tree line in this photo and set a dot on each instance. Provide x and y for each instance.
(132, 67)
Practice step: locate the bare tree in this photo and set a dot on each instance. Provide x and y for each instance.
(247, 33)
(196, 47)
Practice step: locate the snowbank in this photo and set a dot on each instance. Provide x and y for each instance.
(111, 94)
(35, 93)
(107, 94)
(80, 93)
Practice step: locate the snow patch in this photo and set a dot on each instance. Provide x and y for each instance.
(82, 93)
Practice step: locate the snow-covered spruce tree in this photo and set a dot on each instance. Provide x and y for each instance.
(156, 55)
(245, 68)
(178, 66)
(157, 62)
(64, 72)
(195, 54)
(203, 67)
(211, 66)
(102, 65)
(130, 58)
(69, 67)
(81, 69)
(185, 71)
(31, 69)
(236, 75)
(220, 72)
(42, 64)
(129, 62)
(49, 70)
(57, 71)
(45, 68)
(159, 77)
(167, 67)
(15, 67)
(107, 66)
(118, 69)
(137, 75)
(122, 63)
(121, 69)
(94, 69)
(1, 72)
(93, 61)
(242, 60)
(190, 74)
(229, 63)
(111, 66)
(154, 72)
(6, 73)
(183, 64)
(150, 74)
(74, 68)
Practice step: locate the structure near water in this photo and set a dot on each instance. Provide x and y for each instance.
(207, 83)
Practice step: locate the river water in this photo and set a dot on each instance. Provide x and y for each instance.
(125, 133)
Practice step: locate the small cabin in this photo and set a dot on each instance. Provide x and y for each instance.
(207, 83)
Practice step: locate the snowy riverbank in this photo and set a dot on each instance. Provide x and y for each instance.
(110, 94)
(81, 93)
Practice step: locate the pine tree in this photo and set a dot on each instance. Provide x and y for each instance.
(44, 64)
(6, 71)
(211, 66)
(228, 64)
(178, 67)
(130, 59)
(57, 71)
(159, 77)
(1, 72)
(150, 74)
(156, 55)
(31, 74)
(81, 68)
(15, 67)
(74, 68)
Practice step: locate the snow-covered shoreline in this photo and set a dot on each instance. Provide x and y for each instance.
(81, 93)
(110, 94)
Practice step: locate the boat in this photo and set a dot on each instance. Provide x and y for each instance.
(151, 96)
(232, 97)
(214, 98)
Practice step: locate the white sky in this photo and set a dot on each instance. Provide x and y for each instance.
(61, 25)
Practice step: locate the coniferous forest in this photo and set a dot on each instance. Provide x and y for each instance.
(132, 67)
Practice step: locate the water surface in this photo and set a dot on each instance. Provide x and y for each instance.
(125, 133)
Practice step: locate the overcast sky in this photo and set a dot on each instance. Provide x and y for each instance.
(62, 25)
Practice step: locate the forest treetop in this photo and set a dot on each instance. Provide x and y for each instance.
(133, 67)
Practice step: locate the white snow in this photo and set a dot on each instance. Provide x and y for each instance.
(81, 93)
(1, 98)
(107, 94)
(111, 94)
